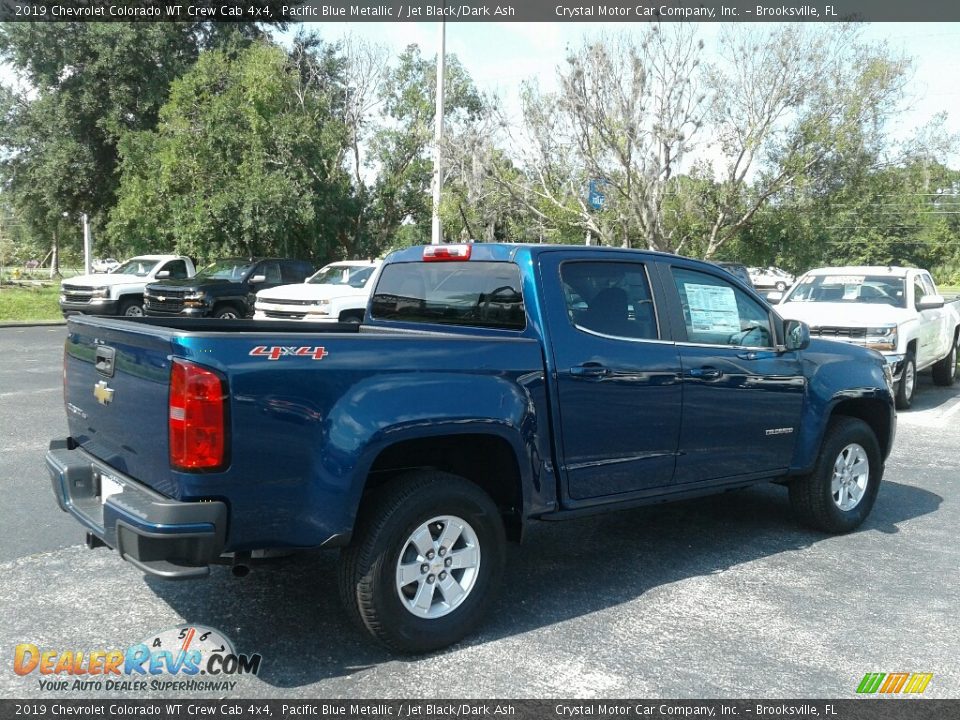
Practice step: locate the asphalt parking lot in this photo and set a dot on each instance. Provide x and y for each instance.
(721, 597)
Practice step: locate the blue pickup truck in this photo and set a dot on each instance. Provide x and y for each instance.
(492, 385)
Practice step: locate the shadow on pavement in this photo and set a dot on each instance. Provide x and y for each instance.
(290, 611)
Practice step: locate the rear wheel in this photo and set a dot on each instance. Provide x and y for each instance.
(945, 371)
(780, 286)
(908, 382)
(428, 557)
(839, 494)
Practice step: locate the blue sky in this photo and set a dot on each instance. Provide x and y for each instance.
(500, 55)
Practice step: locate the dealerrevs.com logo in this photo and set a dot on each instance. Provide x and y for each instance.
(894, 683)
(191, 658)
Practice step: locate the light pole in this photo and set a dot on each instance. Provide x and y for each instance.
(86, 242)
(436, 236)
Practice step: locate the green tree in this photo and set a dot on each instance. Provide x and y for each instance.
(400, 149)
(247, 158)
(82, 86)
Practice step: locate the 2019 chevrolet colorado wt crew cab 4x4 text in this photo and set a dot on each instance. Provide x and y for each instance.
(491, 386)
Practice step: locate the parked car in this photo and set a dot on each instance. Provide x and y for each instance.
(491, 386)
(338, 292)
(896, 311)
(32, 264)
(224, 289)
(104, 265)
(738, 270)
(121, 291)
(771, 278)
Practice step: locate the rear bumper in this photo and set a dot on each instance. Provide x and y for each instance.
(160, 536)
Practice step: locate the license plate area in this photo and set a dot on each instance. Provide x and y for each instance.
(108, 486)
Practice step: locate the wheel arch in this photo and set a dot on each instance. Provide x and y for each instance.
(876, 410)
(346, 315)
(874, 413)
(233, 303)
(488, 459)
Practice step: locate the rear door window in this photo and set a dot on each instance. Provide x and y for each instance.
(610, 298)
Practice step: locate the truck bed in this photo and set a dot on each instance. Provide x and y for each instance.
(307, 404)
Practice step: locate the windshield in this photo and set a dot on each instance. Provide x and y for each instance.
(352, 275)
(873, 289)
(140, 267)
(226, 270)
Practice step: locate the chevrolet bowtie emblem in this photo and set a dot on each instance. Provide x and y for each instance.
(161, 298)
(102, 393)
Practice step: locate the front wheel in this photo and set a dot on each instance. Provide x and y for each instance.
(907, 384)
(427, 558)
(132, 307)
(839, 494)
(226, 312)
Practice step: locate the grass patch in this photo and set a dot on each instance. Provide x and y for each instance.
(29, 303)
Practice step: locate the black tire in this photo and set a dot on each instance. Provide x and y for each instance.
(352, 318)
(945, 371)
(227, 312)
(131, 307)
(370, 565)
(908, 382)
(812, 496)
(780, 286)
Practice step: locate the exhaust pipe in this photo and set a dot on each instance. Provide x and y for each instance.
(240, 569)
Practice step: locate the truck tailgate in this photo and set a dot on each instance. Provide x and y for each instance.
(116, 387)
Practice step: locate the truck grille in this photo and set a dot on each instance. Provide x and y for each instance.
(840, 333)
(281, 315)
(76, 294)
(164, 300)
(279, 301)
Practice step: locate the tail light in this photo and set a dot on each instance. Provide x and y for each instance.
(197, 418)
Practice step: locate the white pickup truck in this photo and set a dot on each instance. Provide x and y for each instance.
(121, 292)
(337, 292)
(894, 310)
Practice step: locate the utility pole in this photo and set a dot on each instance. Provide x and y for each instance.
(86, 245)
(436, 236)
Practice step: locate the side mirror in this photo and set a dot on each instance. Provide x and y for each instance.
(257, 279)
(796, 335)
(163, 274)
(930, 302)
(774, 296)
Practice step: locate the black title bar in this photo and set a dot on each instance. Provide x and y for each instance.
(480, 11)
(176, 708)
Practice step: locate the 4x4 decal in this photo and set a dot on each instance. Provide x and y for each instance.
(276, 352)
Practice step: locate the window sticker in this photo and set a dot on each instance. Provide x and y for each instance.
(843, 280)
(712, 308)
